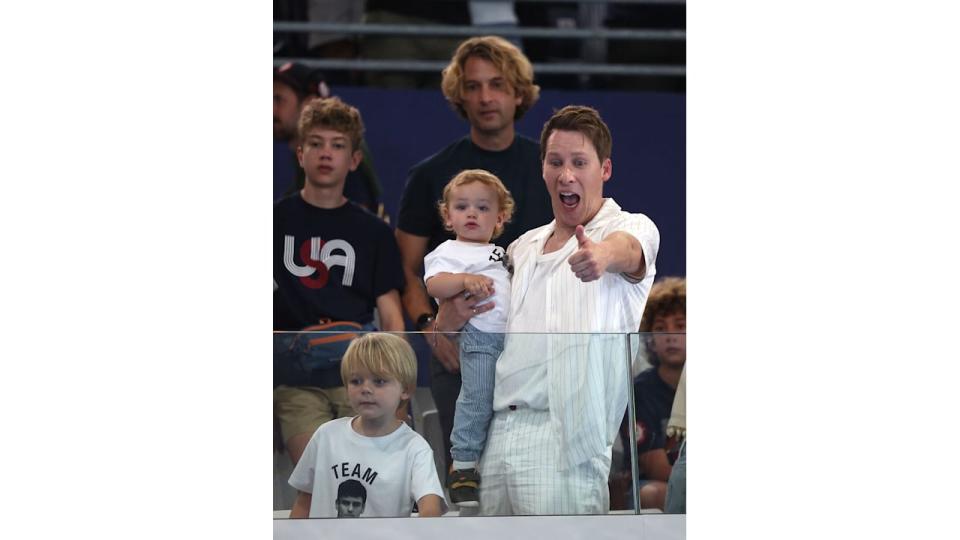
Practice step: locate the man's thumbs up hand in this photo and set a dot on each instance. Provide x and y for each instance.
(590, 260)
(581, 236)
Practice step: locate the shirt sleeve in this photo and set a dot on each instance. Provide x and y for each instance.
(441, 260)
(423, 471)
(645, 231)
(303, 474)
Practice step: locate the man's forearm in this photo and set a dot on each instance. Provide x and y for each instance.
(626, 255)
(391, 312)
(415, 299)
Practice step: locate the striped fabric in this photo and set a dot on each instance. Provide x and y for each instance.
(586, 376)
(552, 456)
(519, 471)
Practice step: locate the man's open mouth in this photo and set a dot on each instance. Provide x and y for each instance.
(569, 199)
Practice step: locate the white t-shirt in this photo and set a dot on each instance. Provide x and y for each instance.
(529, 342)
(488, 260)
(395, 470)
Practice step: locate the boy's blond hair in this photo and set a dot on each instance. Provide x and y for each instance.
(509, 61)
(505, 204)
(331, 113)
(384, 355)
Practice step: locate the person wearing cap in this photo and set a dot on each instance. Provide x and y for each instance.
(294, 85)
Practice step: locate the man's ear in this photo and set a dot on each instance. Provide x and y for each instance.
(606, 169)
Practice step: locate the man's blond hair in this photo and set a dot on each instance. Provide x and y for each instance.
(509, 61)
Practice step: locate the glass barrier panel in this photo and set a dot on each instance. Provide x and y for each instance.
(655, 466)
(537, 424)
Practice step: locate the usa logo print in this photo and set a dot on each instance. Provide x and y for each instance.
(318, 257)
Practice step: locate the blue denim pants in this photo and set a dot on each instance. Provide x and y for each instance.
(478, 356)
(676, 502)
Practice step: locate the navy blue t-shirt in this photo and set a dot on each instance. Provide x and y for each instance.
(330, 263)
(518, 167)
(654, 403)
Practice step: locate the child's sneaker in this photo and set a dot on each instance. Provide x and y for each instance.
(463, 486)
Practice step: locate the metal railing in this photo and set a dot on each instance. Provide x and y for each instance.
(435, 66)
(468, 31)
(594, 39)
(634, 2)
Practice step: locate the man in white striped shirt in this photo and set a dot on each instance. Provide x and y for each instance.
(561, 385)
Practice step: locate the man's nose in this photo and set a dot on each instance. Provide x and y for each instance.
(485, 94)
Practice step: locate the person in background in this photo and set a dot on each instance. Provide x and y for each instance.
(489, 83)
(655, 389)
(295, 85)
(495, 13)
(423, 13)
(676, 502)
(332, 261)
(329, 45)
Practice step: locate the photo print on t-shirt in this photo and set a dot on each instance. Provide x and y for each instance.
(351, 499)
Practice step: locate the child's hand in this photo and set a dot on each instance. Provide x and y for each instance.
(478, 285)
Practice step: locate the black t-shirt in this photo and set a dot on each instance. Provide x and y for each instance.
(654, 403)
(330, 263)
(518, 167)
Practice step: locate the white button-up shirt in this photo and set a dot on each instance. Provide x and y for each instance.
(582, 379)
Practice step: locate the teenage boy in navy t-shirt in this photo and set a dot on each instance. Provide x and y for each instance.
(333, 260)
